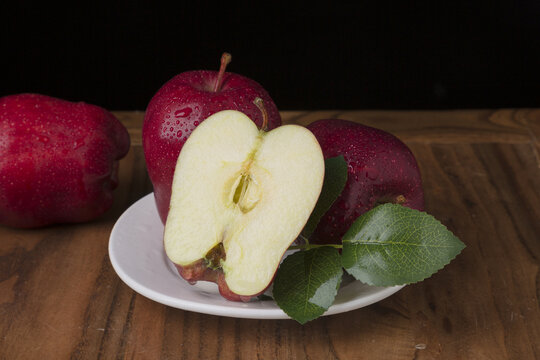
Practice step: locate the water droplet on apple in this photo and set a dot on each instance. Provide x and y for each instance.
(195, 123)
(78, 143)
(179, 133)
(184, 112)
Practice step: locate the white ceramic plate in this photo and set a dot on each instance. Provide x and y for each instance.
(137, 255)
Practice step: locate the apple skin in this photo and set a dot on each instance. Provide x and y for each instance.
(381, 169)
(59, 160)
(199, 271)
(183, 103)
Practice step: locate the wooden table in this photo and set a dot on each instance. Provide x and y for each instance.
(60, 297)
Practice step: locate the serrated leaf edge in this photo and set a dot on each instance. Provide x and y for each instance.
(462, 244)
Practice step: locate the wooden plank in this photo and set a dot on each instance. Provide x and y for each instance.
(457, 126)
(485, 303)
(60, 297)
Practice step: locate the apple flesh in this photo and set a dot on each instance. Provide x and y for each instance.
(59, 160)
(181, 105)
(240, 197)
(381, 169)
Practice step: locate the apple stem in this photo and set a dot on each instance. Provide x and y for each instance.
(260, 104)
(400, 199)
(225, 60)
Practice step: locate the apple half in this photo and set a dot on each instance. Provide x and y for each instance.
(240, 197)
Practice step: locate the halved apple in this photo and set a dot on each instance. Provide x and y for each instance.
(240, 197)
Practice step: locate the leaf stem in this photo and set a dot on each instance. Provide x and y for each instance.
(312, 246)
(305, 239)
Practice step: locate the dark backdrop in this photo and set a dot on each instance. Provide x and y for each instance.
(376, 55)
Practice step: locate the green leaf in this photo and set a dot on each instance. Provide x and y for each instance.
(394, 245)
(306, 283)
(335, 177)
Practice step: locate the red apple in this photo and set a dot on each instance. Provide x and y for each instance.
(381, 169)
(59, 160)
(183, 103)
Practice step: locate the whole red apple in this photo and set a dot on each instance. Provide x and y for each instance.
(381, 169)
(182, 104)
(59, 160)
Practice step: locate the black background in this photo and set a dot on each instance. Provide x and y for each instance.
(365, 55)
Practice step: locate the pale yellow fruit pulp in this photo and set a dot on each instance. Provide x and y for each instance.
(251, 190)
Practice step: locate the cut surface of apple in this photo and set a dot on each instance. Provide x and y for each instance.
(243, 191)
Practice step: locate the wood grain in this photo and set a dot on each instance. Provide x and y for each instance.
(61, 299)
